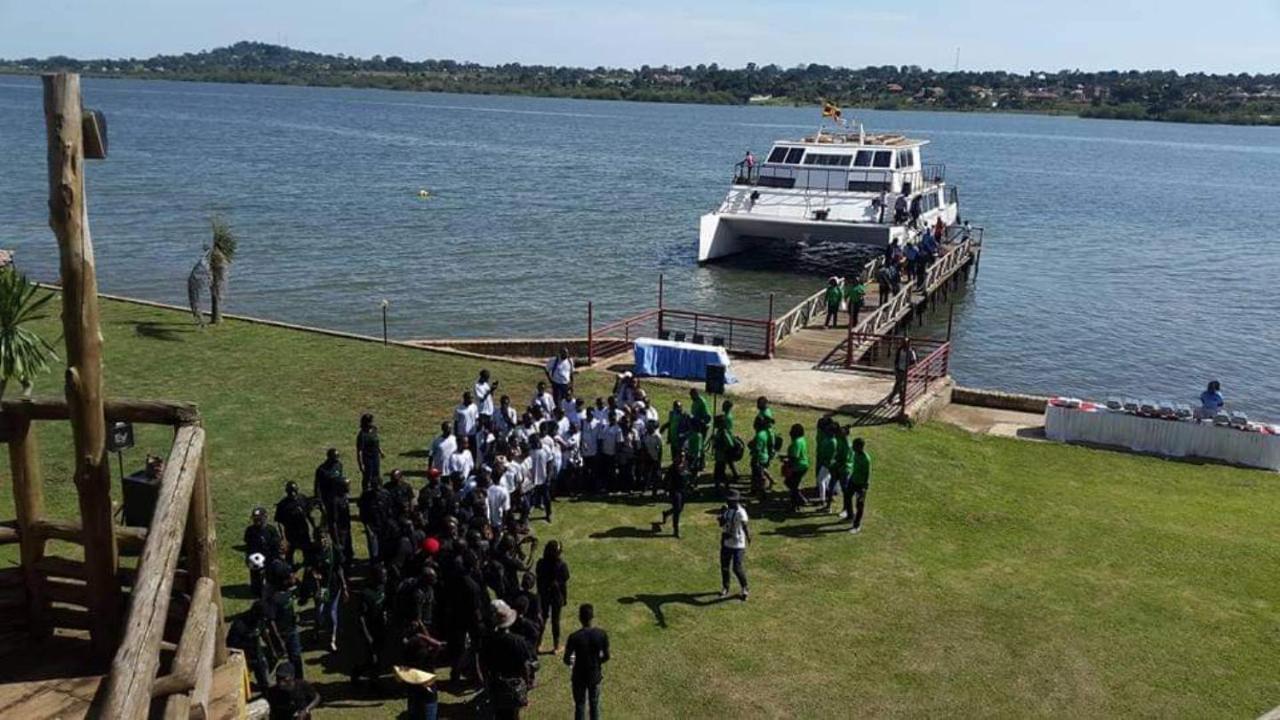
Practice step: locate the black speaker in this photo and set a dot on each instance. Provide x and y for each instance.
(715, 379)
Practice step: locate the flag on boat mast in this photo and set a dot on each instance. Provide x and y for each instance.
(830, 110)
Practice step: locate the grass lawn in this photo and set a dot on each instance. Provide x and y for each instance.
(994, 577)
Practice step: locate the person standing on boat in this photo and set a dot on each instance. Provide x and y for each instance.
(559, 372)
(749, 164)
(900, 209)
(880, 204)
(832, 297)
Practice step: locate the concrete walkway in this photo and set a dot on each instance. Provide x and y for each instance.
(989, 421)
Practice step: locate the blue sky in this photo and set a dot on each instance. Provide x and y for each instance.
(1223, 36)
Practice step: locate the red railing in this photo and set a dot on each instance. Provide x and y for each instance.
(740, 336)
(929, 369)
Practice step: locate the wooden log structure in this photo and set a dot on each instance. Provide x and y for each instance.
(133, 670)
(182, 673)
(28, 497)
(129, 539)
(201, 545)
(149, 412)
(69, 219)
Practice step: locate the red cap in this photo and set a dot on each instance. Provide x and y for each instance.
(433, 473)
(431, 545)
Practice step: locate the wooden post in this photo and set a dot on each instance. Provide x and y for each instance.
(69, 219)
(133, 670)
(660, 305)
(591, 347)
(769, 339)
(28, 496)
(951, 316)
(202, 548)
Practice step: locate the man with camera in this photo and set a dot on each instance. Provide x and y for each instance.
(734, 538)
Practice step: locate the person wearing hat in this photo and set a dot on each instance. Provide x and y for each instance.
(260, 538)
(734, 539)
(586, 652)
(505, 660)
(291, 698)
(292, 513)
(420, 685)
(832, 295)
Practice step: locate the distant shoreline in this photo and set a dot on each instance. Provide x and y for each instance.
(379, 82)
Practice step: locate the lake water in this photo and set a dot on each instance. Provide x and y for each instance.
(1121, 258)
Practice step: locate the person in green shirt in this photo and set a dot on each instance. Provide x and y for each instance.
(796, 465)
(695, 454)
(764, 412)
(700, 411)
(833, 296)
(726, 410)
(855, 293)
(825, 449)
(859, 483)
(674, 427)
(761, 454)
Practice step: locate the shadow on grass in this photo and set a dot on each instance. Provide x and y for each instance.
(416, 454)
(625, 531)
(238, 592)
(165, 331)
(655, 603)
(809, 530)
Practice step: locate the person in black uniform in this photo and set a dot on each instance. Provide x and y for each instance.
(401, 493)
(291, 698)
(340, 521)
(292, 515)
(369, 453)
(260, 538)
(245, 635)
(282, 616)
(375, 515)
(328, 474)
(677, 481)
(586, 651)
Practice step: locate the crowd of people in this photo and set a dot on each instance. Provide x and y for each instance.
(452, 575)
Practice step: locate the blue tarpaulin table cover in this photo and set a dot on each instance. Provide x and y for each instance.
(680, 360)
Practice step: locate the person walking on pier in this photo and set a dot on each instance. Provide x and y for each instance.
(734, 539)
(855, 291)
(903, 359)
(832, 295)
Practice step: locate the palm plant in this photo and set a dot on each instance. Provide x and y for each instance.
(23, 353)
(221, 255)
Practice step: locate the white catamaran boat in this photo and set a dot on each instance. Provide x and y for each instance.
(833, 186)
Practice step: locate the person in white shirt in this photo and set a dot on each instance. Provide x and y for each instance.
(653, 456)
(483, 392)
(465, 417)
(610, 438)
(568, 402)
(559, 372)
(553, 450)
(734, 538)
(525, 430)
(571, 453)
(600, 413)
(486, 442)
(499, 501)
(510, 477)
(544, 401)
(442, 448)
(504, 417)
(540, 470)
(589, 448)
(461, 463)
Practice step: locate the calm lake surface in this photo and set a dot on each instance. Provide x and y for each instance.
(1122, 258)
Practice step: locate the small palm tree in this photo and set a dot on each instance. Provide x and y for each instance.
(23, 353)
(221, 255)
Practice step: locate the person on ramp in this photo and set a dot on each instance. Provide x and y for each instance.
(734, 538)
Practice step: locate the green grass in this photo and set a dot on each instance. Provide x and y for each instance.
(994, 577)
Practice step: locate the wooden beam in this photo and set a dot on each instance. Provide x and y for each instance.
(28, 497)
(134, 668)
(202, 547)
(147, 412)
(182, 673)
(69, 219)
(128, 538)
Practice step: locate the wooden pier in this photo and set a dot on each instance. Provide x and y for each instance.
(799, 334)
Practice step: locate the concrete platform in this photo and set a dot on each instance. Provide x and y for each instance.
(991, 421)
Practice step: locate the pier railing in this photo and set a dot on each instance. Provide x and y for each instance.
(737, 335)
(927, 371)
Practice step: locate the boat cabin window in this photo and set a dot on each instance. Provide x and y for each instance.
(868, 186)
(883, 159)
(778, 155)
(864, 158)
(827, 159)
(794, 155)
(906, 159)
